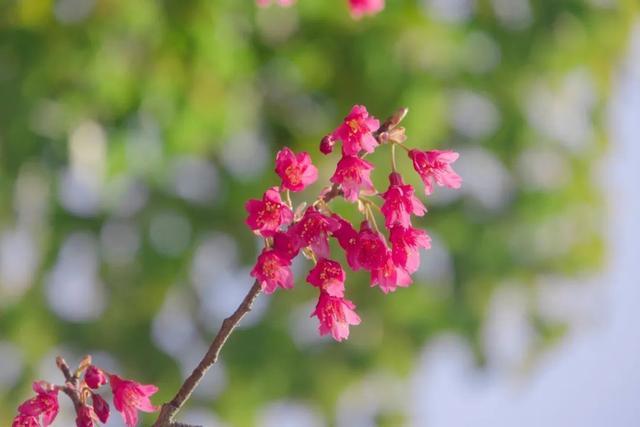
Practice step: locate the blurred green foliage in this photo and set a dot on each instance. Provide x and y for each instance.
(207, 74)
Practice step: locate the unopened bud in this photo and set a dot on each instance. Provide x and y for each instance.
(327, 143)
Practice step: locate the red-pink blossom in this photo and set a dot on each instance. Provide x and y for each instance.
(329, 276)
(100, 407)
(400, 202)
(371, 247)
(406, 244)
(359, 8)
(283, 3)
(85, 417)
(296, 170)
(266, 216)
(435, 165)
(271, 271)
(347, 238)
(94, 377)
(287, 244)
(25, 421)
(313, 229)
(356, 132)
(129, 397)
(354, 175)
(390, 276)
(45, 403)
(335, 315)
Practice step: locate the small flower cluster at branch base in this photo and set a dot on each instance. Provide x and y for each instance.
(358, 8)
(391, 262)
(129, 397)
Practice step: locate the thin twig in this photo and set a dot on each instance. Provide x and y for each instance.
(170, 409)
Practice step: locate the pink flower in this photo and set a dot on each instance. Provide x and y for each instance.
(390, 276)
(45, 403)
(85, 417)
(400, 203)
(313, 230)
(354, 175)
(296, 170)
(356, 132)
(272, 271)
(365, 7)
(347, 237)
(283, 3)
(94, 377)
(25, 421)
(335, 315)
(329, 276)
(406, 244)
(266, 216)
(101, 407)
(371, 247)
(129, 397)
(286, 244)
(435, 166)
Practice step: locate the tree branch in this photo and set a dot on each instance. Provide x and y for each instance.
(170, 409)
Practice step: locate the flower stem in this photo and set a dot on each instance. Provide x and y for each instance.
(394, 167)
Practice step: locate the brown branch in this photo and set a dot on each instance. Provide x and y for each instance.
(71, 382)
(170, 409)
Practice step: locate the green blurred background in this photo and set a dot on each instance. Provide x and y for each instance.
(132, 132)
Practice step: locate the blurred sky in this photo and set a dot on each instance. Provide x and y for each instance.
(592, 378)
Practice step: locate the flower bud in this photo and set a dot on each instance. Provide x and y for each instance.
(327, 143)
(94, 377)
(101, 407)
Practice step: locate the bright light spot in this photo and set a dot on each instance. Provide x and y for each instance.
(73, 289)
(289, 414)
(245, 156)
(195, 179)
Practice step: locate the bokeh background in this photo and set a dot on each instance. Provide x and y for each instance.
(132, 132)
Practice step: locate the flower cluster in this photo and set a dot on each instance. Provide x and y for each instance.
(390, 260)
(358, 8)
(129, 397)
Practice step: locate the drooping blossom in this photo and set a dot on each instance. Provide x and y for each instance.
(25, 421)
(129, 397)
(287, 244)
(390, 276)
(271, 271)
(266, 216)
(44, 404)
(314, 229)
(354, 175)
(405, 246)
(400, 202)
(296, 170)
(435, 166)
(283, 3)
(347, 238)
(356, 132)
(329, 276)
(359, 8)
(371, 247)
(100, 407)
(94, 377)
(335, 315)
(85, 417)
